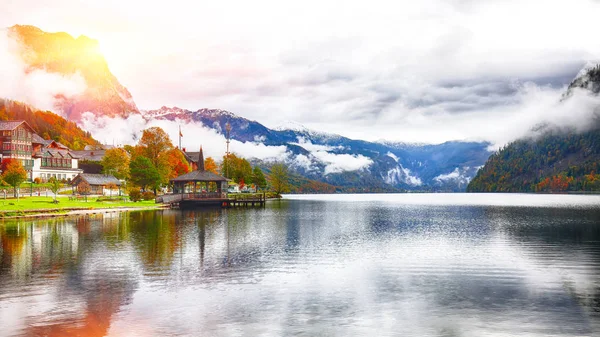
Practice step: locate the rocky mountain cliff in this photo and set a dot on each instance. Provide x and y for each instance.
(62, 54)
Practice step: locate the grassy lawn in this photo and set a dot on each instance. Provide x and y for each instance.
(45, 203)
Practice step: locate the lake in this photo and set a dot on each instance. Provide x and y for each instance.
(311, 265)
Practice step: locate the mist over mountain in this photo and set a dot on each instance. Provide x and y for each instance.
(46, 124)
(349, 163)
(556, 157)
(78, 84)
(78, 60)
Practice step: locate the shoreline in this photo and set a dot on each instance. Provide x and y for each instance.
(53, 213)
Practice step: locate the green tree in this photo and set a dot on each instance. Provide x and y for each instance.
(279, 178)
(55, 186)
(226, 166)
(156, 145)
(116, 162)
(243, 171)
(13, 173)
(144, 174)
(258, 177)
(236, 168)
(3, 186)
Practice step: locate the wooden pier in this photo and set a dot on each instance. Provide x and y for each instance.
(200, 200)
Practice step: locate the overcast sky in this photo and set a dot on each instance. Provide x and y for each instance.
(425, 71)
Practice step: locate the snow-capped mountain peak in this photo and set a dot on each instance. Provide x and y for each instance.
(291, 126)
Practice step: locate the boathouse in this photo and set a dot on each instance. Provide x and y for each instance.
(199, 187)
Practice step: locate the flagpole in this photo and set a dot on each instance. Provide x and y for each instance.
(180, 149)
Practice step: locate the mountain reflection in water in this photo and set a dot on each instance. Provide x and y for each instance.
(433, 265)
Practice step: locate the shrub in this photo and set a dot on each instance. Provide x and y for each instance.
(135, 194)
(148, 196)
(37, 180)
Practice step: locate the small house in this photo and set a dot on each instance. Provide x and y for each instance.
(99, 183)
(232, 186)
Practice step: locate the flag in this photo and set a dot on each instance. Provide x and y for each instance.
(180, 134)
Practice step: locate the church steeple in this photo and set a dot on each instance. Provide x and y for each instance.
(201, 160)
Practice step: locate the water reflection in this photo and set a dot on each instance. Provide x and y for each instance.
(306, 267)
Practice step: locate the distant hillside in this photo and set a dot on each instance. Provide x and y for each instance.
(556, 161)
(62, 54)
(47, 124)
(322, 157)
(552, 163)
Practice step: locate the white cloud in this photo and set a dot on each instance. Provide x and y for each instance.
(449, 176)
(36, 87)
(365, 75)
(309, 146)
(128, 131)
(400, 174)
(334, 162)
(459, 176)
(303, 161)
(410, 179)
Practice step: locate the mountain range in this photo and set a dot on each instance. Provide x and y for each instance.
(387, 166)
(348, 164)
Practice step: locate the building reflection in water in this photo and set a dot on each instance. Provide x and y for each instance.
(91, 275)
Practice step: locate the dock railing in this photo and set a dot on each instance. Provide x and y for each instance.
(171, 198)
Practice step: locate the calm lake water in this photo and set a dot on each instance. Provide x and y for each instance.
(335, 265)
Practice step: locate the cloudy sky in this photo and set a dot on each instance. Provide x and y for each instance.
(425, 71)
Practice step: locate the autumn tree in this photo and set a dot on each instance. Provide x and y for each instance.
(144, 174)
(177, 163)
(210, 165)
(258, 177)
(155, 145)
(13, 173)
(55, 186)
(116, 162)
(84, 188)
(279, 178)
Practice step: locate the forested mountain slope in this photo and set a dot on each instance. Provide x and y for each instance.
(558, 160)
(47, 124)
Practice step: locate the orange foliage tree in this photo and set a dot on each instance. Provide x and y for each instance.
(13, 173)
(177, 163)
(211, 166)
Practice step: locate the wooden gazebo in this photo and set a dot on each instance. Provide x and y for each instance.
(199, 186)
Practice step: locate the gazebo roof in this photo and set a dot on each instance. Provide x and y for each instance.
(200, 174)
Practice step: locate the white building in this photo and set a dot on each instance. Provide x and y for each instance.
(41, 158)
(53, 160)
